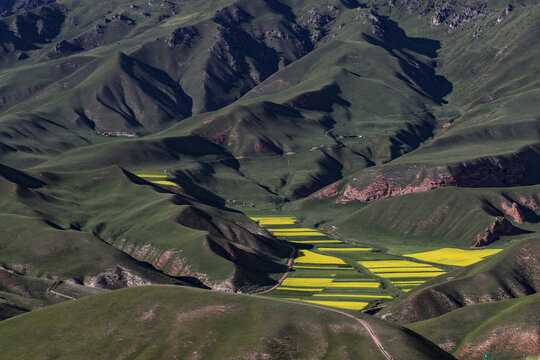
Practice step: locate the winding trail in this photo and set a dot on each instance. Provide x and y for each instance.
(366, 326)
(289, 267)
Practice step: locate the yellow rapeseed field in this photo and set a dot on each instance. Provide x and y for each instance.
(275, 220)
(390, 263)
(349, 305)
(299, 233)
(404, 269)
(344, 249)
(354, 284)
(170, 183)
(151, 176)
(411, 274)
(288, 288)
(309, 257)
(291, 229)
(356, 295)
(451, 256)
(306, 282)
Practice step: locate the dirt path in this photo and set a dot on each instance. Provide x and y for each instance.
(62, 295)
(50, 289)
(289, 267)
(366, 326)
(370, 331)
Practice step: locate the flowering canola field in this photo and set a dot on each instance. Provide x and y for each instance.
(153, 179)
(456, 257)
(340, 280)
(397, 270)
(309, 257)
(319, 278)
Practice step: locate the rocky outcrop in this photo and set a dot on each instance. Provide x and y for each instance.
(513, 210)
(182, 36)
(529, 202)
(116, 278)
(388, 181)
(170, 261)
(498, 228)
(383, 187)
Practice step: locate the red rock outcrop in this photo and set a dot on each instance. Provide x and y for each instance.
(529, 202)
(513, 211)
(385, 181)
(498, 228)
(384, 187)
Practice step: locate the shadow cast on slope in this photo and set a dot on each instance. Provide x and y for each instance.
(415, 72)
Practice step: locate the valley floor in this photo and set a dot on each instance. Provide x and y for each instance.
(330, 272)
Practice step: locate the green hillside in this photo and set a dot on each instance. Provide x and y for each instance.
(138, 324)
(473, 330)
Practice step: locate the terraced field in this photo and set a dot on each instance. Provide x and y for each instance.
(324, 271)
(156, 178)
(330, 272)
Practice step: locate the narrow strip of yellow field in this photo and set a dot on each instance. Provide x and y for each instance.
(359, 296)
(303, 233)
(170, 183)
(291, 230)
(288, 288)
(343, 249)
(372, 264)
(316, 241)
(281, 220)
(349, 305)
(354, 284)
(411, 274)
(411, 282)
(307, 282)
(152, 176)
(414, 269)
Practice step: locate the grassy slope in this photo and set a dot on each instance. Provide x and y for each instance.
(164, 227)
(490, 124)
(443, 216)
(138, 323)
(468, 332)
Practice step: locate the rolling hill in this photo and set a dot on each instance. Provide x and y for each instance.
(139, 324)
